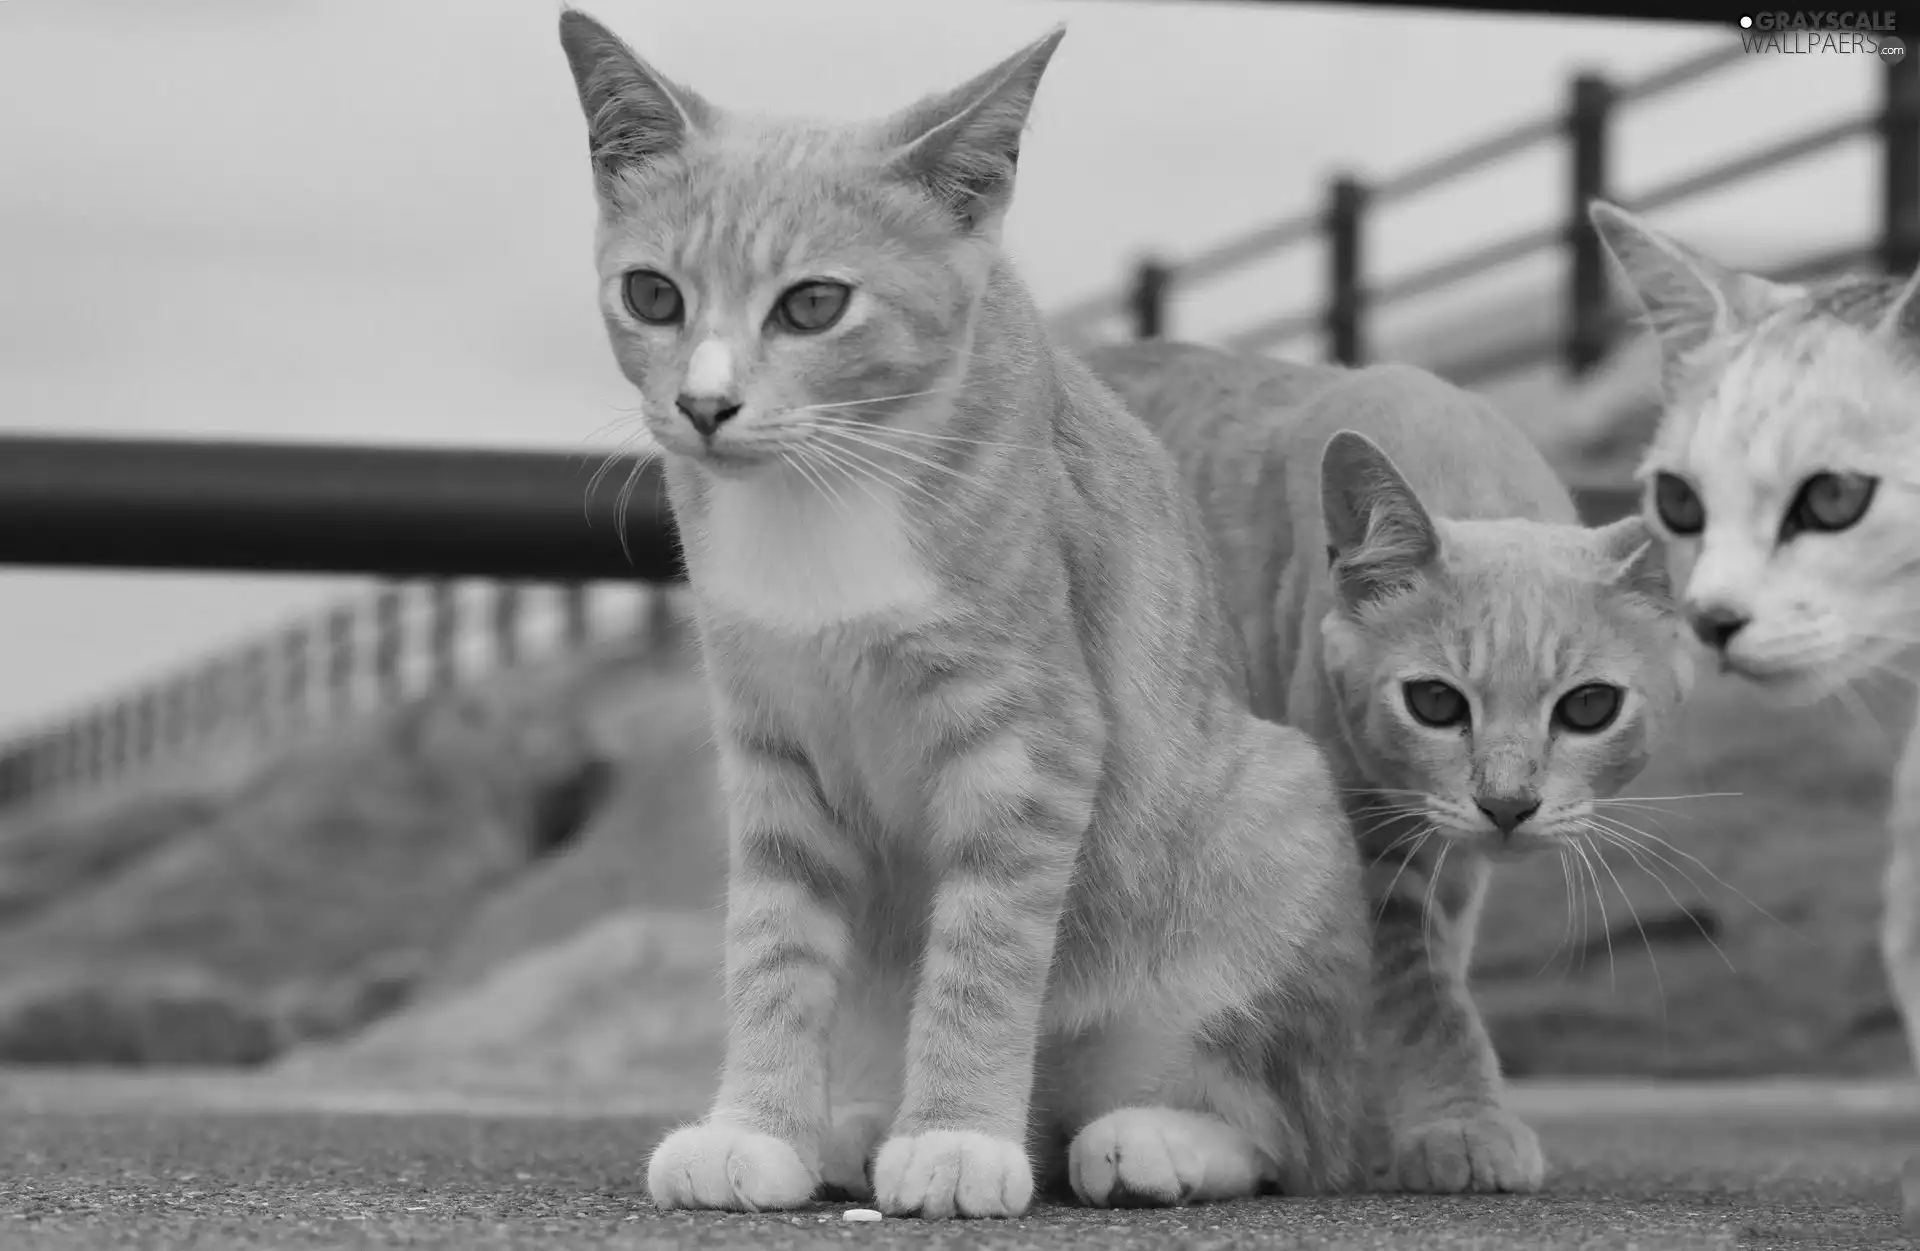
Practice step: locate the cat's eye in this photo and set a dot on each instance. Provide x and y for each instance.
(1435, 703)
(653, 298)
(1829, 502)
(811, 307)
(1678, 505)
(1588, 709)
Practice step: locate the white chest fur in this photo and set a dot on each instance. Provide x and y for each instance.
(784, 554)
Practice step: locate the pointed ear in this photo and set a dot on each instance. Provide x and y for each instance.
(634, 113)
(1637, 560)
(1379, 537)
(1689, 299)
(961, 147)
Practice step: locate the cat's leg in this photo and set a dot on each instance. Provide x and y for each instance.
(1007, 812)
(1900, 916)
(1439, 1081)
(787, 937)
(1266, 1095)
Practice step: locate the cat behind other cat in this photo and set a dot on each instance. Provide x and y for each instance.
(1784, 476)
(1006, 846)
(1412, 587)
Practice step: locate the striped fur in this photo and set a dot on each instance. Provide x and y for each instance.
(1440, 545)
(1013, 867)
(1766, 385)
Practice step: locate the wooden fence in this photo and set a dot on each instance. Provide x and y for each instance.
(517, 520)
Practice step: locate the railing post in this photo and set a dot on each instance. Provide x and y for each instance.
(443, 629)
(1147, 299)
(506, 624)
(1588, 327)
(1346, 204)
(575, 623)
(1900, 165)
(296, 659)
(340, 667)
(389, 605)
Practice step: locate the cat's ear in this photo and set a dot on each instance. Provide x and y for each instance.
(1688, 298)
(1380, 539)
(1636, 560)
(961, 147)
(634, 113)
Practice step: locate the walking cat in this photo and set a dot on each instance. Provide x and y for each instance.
(1413, 588)
(1785, 477)
(1007, 849)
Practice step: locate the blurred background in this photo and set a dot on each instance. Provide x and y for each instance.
(461, 831)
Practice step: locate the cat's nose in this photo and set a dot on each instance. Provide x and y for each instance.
(1507, 811)
(706, 412)
(1716, 624)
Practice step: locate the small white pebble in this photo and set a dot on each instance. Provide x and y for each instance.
(859, 1214)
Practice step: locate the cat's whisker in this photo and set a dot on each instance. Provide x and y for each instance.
(911, 485)
(904, 432)
(796, 456)
(613, 458)
(1566, 907)
(1600, 901)
(861, 479)
(1653, 958)
(1633, 853)
(1629, 831)
(846, 436)
(1426, 910)
(1394, 881)
(1408, 837)
(881, 399)
(1662, 799)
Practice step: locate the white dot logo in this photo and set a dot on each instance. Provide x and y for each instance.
(1745, 22)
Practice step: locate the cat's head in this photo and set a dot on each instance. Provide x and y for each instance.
(767, 282)
(1493, 678)
(1782, 475)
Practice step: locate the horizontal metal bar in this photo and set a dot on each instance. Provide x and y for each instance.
(1471, 265)
(1680, 74)
(1470, 158)
(1235, 253)
(295, 508)
(1758, 161)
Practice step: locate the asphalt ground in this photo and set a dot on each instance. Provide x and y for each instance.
(216, 1164)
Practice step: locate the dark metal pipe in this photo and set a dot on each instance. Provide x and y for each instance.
(328, 509)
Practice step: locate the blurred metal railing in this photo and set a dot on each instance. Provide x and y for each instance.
(1591, 324)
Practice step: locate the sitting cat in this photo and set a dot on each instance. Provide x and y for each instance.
(1007, 848)
(1414, 589)
(1785, 477)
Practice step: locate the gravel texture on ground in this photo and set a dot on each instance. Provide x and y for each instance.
(139, 1165)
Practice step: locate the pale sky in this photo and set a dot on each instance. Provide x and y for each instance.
(370, 220)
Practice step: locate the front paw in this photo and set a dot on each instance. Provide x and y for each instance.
(1161, 1157)
(952, 1173)
(1489, 1149)
(716, 1165)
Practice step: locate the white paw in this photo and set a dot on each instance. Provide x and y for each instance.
(713, 1165)
(1161, 1157)
(952, 1173)
(1489, 1150)
(857, 1130)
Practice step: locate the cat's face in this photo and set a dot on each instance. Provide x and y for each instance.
(1783, 473)
(1494, 677)
(772, 288)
